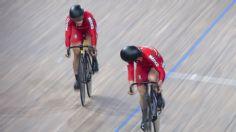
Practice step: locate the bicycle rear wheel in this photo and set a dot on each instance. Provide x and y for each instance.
(82, 73)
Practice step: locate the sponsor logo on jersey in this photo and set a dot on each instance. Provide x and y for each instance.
(153, 60)
(91, 23)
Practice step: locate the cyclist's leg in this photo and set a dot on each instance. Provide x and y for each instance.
(153, 76)
(141, 76)
(94, 56)
(76, 39)
(142, 101)
(76, 63)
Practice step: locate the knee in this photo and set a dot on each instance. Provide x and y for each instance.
(76, 55)
(152, 78)
(141, 92)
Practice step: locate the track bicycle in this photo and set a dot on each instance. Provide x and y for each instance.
(152, 119)
(85, 71)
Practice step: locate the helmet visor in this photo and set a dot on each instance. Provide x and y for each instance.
(78, 19)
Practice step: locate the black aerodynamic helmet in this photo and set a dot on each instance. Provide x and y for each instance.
(130, 53)
(76, 12)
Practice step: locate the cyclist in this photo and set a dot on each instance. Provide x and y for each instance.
(80, 26)
(149, 67)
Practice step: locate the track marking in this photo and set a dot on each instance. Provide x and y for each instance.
(206, 79)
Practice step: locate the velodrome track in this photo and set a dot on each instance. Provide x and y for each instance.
(196, 38)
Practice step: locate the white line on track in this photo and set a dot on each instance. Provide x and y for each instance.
(206, 79)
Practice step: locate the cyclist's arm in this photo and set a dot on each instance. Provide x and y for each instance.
(92, 30)
(67, 32)
(130, 67)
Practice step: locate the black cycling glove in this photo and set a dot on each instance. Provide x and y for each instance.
(68, 52)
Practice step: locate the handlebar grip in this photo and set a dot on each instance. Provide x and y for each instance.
(130, 89)
(68, 51)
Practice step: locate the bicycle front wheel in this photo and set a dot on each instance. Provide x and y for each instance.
(82, 73)
(147, 119)
(155, 113)
(149, 122)
(156, 124)
(89, 75)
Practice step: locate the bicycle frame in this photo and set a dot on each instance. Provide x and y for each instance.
(83, 53)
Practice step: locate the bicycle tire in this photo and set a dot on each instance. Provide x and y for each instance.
(156, 121)
(82, 80)
(148, 122)
(89, 75)
(89, 88)
(152, 111)
(149, 125)
(156, 124)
